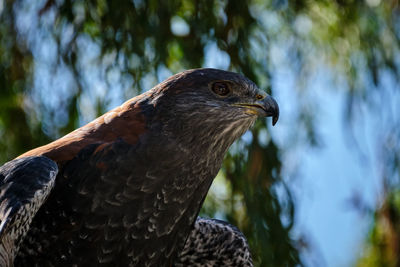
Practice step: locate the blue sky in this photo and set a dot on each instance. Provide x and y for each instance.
(329, 176)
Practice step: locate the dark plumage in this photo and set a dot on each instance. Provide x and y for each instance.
(130, 184)
(214, 243)
(25, 184)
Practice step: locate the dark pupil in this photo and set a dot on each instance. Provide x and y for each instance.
(221, 89)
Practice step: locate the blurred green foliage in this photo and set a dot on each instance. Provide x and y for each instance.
(383, 247)
(62, 63)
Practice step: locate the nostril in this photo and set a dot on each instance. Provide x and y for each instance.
(259, 97)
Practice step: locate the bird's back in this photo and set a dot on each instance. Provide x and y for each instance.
(121, 201)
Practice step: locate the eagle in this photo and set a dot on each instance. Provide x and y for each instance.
(126, 189)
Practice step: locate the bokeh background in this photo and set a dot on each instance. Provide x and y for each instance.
(321, 188)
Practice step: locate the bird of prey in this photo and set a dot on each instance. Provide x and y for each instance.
(126, 189)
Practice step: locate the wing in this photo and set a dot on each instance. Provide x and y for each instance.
(103, 211)
(24, 185)
(215, 243)
(88, 218)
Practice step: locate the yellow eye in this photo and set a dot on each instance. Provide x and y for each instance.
(221, 89)
(259, 97)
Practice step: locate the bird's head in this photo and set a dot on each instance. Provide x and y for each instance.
(212, 103)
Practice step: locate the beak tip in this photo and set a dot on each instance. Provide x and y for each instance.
(274, 120)
(275, 108)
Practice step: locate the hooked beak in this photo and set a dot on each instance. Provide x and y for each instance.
(266, 107)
